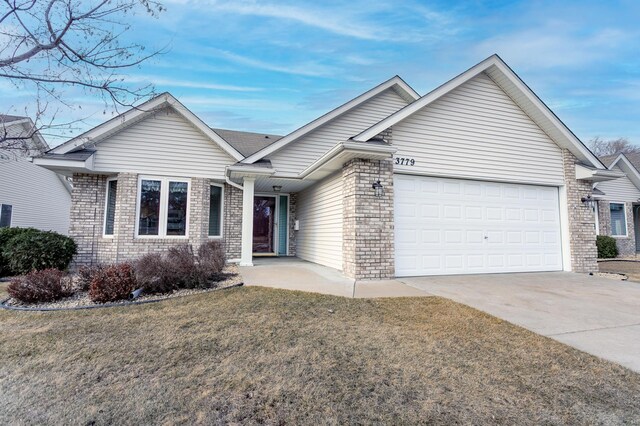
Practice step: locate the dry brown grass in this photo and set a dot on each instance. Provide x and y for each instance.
(253, 355)
(628, 268)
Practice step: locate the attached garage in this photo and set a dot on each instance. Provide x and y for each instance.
(454, 226)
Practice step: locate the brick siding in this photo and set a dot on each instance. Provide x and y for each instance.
(626, 245)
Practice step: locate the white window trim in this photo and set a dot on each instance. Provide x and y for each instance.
(626, 224)
(106, 202)
(217, 237)
(164, 200)
(11, 217)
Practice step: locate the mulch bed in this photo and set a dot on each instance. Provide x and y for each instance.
(80, 299)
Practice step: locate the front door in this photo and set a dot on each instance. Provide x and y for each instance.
(264, 214)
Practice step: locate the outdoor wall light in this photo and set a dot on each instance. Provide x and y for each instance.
(378, 188)
(589, 202)
(277, 188)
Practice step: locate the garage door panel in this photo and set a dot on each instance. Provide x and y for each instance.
(475, 227)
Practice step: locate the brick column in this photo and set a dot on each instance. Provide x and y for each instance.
(86, 215)
(232, 234)
(582, 229)
(368, 247)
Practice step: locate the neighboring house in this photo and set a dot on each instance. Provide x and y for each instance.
(477, 176)
(30, 196)
(618, 203)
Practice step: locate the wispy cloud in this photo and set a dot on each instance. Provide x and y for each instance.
(170, 82)
(318, 18)
(309, 69)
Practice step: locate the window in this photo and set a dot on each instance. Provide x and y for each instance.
(5, 215)
(215, 211)
(618, 219)
(163, 207)
(110, 209)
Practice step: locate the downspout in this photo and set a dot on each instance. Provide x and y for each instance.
(229, 181)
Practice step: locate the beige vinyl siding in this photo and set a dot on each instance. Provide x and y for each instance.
(621, 189)
(319, 210)
(37, 195)
(477, 132)
(163, 144)
(300, 154)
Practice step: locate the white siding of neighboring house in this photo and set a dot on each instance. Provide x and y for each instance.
(621, 189)
(319, 210)
(300, 154)
(38, 196)
(164, 144)
(477, 132)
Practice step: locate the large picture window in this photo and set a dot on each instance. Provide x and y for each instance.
(215, 211)
(110, 209)
(163, 207)
(618, 219)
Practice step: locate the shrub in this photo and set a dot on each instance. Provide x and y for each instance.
(181, 264)
(113, 282)
(607, 247)
(153, 274)
(6, 234)
(179, 268)
(40, 286)
(211, 258)
(86, 274)
(38, 250)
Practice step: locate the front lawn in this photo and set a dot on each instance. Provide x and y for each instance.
(253, 355)
(629, 268)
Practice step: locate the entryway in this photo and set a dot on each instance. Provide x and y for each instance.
(270, 225)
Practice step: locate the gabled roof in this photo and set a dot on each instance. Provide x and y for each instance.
(516, 89)
(5, 118)
(247, 143)
(395, 82)
(136, 114)
(627, 167)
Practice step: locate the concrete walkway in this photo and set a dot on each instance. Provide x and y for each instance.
(597, 315)
(291, 273)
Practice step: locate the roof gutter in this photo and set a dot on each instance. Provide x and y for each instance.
(596, 175)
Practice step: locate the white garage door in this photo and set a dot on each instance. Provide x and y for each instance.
(450, 226)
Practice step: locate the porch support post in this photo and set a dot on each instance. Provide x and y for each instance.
(247, 222)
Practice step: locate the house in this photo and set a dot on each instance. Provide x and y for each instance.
(618, 203)
(30, 196)
(476, 176)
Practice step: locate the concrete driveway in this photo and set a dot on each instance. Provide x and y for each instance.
(597, 315)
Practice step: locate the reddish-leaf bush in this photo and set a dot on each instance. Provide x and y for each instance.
(211, 258)
(113, 282)
(40, 286)
(181, 264)
(86, 274)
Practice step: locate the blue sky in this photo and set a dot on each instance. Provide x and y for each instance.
(273, 66)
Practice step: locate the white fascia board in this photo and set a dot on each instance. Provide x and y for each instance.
(631, 172)
(352, 147)
(62, 164)
(147, 108)
(500, 65)
(595, 175)
(296, 134)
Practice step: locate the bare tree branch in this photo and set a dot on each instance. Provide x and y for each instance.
(56, 45)
(601, 147)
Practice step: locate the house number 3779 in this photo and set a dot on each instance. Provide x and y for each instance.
(405, 161)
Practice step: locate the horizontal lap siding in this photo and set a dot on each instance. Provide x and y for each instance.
(38, 196)
(164, 144)
(621, 189)
(477, 132)
(302, 153)
(319, 210)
